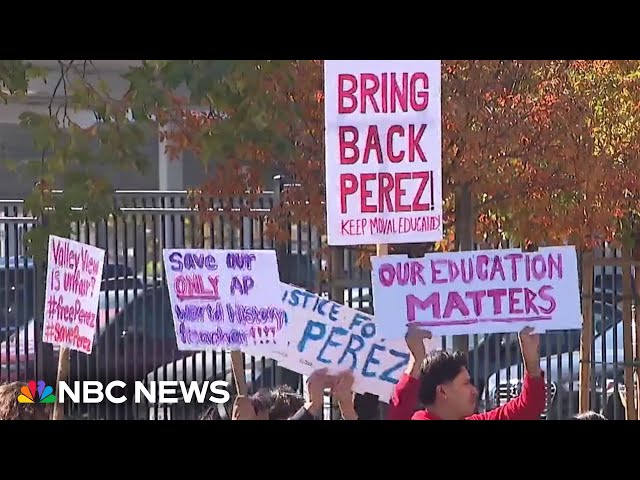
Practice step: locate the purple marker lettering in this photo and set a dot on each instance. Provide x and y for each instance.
(176, 261)
(555, 264)
(386, 274)
(435, 271)
(529, 304)
(477, 297)
(482, 265)
(454, 300)
(496, 294)
(466, 268)
(539, 267)
(497, 268)
(414, 303)
(544, 294)
(514, 257)
(454, 270)
(416, 273)
(514, 301)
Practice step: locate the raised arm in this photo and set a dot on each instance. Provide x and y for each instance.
(531, 402)
(312, 410)
(404, 398)
(343, 393)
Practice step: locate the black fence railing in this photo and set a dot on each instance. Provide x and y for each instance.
(136, 339)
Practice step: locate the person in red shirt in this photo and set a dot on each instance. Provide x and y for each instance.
(441, 382)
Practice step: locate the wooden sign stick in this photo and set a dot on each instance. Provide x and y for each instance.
(237, 366)
(64, 356)
(382, 249)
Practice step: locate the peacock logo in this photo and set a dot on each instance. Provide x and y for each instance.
(43, 393)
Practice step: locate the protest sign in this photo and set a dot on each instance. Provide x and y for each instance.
(224, 298)
(383, 158)
(490, 291)
(72, 292)
(325, 334)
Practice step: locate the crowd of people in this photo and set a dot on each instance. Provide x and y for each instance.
(435, 386)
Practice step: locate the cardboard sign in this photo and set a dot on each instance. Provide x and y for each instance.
(325, 334)
(459, 293)
(383, 143)
(74, 274)
(224, 298)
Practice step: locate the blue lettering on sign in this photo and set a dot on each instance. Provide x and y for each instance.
(354, 346)
(331, 343)
(307, 300)
(392, 374)
(295, 298)
(353, 350)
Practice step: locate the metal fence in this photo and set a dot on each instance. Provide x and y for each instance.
(136, 339)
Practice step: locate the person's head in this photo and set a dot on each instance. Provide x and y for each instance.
(285, 402)
(11, 409)
(590, 415)
(262, 402)
(215, 413)
(445, 384)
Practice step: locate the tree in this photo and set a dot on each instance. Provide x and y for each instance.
(72, 154)
(560, 135)
(513, 130)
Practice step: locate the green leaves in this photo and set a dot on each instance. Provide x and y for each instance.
(73, 157)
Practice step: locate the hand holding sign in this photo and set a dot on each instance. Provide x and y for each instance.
(318, 381)
(530, 347)
(343, 386)
(415, 339)
(343, 393)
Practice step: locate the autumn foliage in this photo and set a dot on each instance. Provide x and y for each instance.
(533, 151)
(547, 150)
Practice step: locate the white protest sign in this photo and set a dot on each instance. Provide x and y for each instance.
(72, 292)
(325, 334)
(383, 151)
(489, 291)
(224, 298)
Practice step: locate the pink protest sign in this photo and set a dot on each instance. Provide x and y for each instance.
(490, 291)
(74, 273)
(383, 151)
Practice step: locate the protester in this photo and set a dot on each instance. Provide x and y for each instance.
(284, 403)
(341, 386)
(279, 403)
(443, 385)
(590, 415)
(216, 412)
(11, 409)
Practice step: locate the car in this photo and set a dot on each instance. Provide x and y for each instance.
(139, 339)
(18, 293)
(136, 335)
(501, 350)
(562, 374)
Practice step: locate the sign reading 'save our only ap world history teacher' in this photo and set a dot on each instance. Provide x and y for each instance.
(74, 274)
(492, 291)
(383, 142)
(224, 298)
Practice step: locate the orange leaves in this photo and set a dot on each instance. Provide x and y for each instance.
(550, 149)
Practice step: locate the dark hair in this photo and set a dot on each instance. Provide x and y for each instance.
(285, 403)
(439, 367)
(11, 409)
(262, 400)
(589, 416)
(214, 413)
